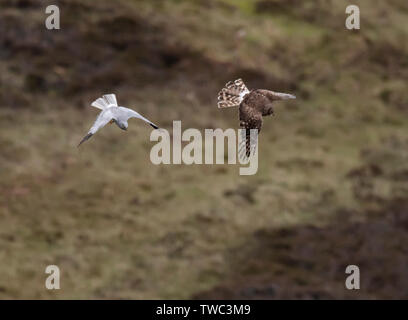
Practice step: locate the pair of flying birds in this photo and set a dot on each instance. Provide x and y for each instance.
(253, 105)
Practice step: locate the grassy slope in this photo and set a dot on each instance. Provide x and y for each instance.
(120, 227)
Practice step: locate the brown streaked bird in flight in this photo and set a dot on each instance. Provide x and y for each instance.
(253, 105)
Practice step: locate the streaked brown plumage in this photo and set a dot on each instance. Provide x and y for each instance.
(253, 105)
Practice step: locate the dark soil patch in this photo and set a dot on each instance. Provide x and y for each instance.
(310, 262)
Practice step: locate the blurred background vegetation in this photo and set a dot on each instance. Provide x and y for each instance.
(331, 189)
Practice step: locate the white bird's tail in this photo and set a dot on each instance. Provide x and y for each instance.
(107, 101)
(232, 94)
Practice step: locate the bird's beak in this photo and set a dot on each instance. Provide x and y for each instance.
(283, 96)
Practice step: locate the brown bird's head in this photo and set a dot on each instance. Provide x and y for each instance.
(273, 96)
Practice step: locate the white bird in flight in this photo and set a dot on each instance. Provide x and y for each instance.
(112, 113)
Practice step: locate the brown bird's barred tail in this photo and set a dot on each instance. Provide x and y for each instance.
(232, 94)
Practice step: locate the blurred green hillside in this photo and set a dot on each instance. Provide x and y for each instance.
(332, 184)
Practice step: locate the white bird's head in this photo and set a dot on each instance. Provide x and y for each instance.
(122, 124)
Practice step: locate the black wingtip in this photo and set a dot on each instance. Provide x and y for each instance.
(154, 126)
(84, 139)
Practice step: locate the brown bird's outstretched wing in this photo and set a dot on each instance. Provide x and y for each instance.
(249, 119)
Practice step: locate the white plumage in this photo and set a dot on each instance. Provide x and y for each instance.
(110, 113)
(107, 101)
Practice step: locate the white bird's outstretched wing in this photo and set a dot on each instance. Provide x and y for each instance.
(103, 118)
(107, 101)
(126, 113)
